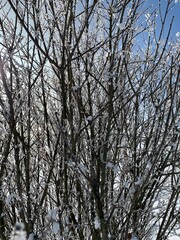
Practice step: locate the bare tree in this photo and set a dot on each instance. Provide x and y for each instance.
(89, 120)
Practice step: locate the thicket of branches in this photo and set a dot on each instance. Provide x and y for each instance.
(90, 119)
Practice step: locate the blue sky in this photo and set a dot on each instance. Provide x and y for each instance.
(175, 11)
(150, 6)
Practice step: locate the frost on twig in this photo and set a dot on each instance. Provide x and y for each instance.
(18, 232)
